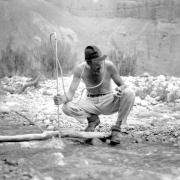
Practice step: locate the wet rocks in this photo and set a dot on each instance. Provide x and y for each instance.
(94, 141)
(156, 105)
(12, 170)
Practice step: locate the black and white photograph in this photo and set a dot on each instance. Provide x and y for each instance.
(89, 90)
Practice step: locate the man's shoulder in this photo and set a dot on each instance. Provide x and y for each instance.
(110, 65)
(79, 68)
(80, 65)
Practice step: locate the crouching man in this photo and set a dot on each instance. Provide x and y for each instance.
(96, 73)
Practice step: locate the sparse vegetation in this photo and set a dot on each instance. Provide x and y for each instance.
(40, 59)
(44, 55)
(126, 64)
(13, 62)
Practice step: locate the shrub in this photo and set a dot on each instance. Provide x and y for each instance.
(38, 60)
(13, 62)
(126, 64)
(42, 58)
(44, 55)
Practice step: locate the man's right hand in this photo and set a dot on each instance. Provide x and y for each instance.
(58, 99)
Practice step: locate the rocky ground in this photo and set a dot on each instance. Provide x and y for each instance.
(155, 117)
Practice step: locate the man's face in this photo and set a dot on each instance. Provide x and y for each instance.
(96, 66)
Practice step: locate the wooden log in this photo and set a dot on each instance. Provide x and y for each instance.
(34, 83)
(29, 137)
(84, 135)
(49, 134)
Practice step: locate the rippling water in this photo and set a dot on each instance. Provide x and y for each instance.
(80, 161)
(128, 161)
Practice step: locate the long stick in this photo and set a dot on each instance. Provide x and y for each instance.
(57, 81)
(57, 74)
(29, 120)
(49, 134)
(28, 137)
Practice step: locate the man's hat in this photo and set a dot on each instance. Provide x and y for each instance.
(93, 53)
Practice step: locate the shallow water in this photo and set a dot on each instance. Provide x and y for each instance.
(126, 161)
(80, 161)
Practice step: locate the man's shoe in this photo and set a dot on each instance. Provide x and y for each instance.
(115, 135)
(93, 122)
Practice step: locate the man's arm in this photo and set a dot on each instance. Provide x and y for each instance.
(59, 99)
(74, 84)
(117, 79)
(115, 75)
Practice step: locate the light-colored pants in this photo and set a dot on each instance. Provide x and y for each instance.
(106, 105)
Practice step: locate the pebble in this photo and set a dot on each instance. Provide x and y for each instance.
(94, 141)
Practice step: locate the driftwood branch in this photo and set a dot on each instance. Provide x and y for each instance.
(29, 120)
(29, 137)
(34, 83)
(49, 134)
(6, 89)
(84, 135)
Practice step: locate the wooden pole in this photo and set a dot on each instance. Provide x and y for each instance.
(49, 134)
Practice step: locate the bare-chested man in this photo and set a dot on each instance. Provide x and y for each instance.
(96, 73)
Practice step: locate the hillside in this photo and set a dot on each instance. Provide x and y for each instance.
(150, 30)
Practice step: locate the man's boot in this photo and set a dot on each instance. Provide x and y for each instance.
(93, 122)
(115, 135)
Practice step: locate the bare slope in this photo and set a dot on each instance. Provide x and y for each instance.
(155, 43)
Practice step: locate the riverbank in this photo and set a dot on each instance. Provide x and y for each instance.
(153, 126)
(155, 116)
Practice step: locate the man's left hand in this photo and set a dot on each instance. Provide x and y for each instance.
(120, 90)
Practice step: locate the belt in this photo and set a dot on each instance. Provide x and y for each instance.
(95, 95)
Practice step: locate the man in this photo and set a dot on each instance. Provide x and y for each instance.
(96, 73)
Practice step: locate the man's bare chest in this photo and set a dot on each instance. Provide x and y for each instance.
(94, 79)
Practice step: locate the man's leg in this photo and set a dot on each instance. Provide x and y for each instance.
(93, 122)
(74, 110)
(125, 106)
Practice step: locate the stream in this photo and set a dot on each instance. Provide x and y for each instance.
(128, 161)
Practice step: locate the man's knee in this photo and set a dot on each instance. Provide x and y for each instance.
(66, 109)
(130, 94)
